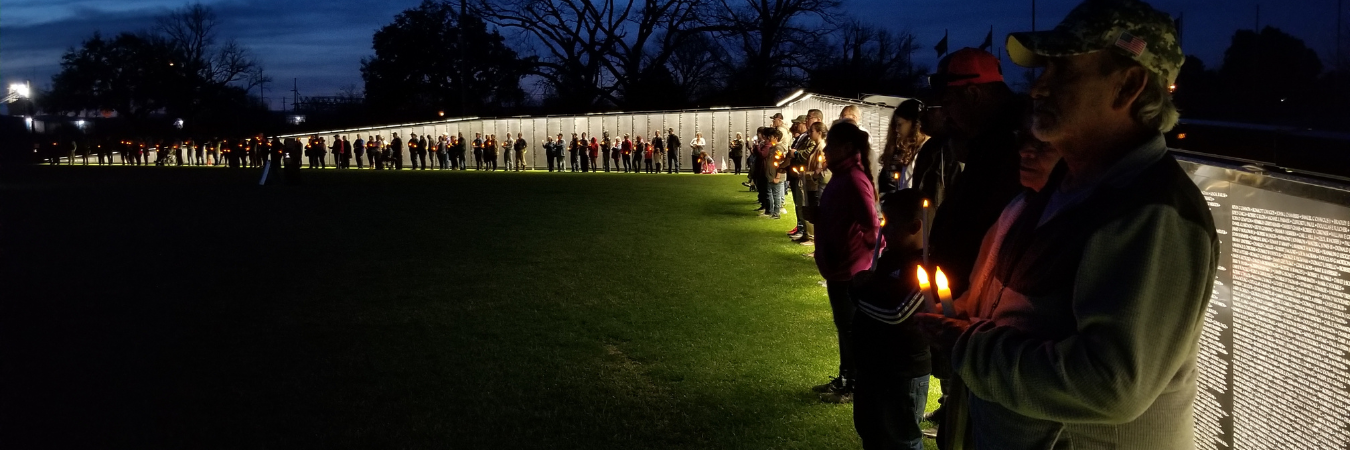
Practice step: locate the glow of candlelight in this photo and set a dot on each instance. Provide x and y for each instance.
(944, 293)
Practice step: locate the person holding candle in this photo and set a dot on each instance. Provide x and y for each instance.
(903, 142)
(1083, 318)
(735, 150)
(508, 161)
(845, 237)
(776, 165)
(573, 147)
(813, 181)
(648, 156)
(627, 149)
(615, 149)
(696, 152)
(594, 154)
(396, 152)
(892, 353)
(759, 172)
(802, 149)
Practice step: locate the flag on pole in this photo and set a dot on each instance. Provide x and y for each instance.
(988, 40)
(941, 46)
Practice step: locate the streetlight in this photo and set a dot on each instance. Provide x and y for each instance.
(20, 90)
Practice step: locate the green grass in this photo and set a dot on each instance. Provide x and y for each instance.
(191, 308)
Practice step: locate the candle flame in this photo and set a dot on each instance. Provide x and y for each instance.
(883, 220)
(925, 203)
(941, 280)
(923, 278)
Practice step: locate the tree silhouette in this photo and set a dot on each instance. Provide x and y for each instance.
(865, 59)
(417, 71)
(1269, 74)
(176, 69)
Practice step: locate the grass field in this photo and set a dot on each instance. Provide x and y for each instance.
(191, 308)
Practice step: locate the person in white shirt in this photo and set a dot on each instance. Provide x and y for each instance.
(696, 149)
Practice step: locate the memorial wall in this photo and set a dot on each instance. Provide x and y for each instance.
(1275, 349)
(718, 126)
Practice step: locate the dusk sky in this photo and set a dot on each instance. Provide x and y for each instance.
(321, 43)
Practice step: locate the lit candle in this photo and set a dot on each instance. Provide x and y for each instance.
(924, 287)
(944, 294)
(923, 228)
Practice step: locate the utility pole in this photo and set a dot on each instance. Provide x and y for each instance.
(1034, 75)
(295, 89)
(1033, 16)
(463, 61)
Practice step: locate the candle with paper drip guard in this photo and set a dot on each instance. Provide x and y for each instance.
(944, 294)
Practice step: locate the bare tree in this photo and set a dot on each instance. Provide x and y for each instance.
(772, 39)
(350, 92)
(603, 51)
(862, 58)
(192, 32)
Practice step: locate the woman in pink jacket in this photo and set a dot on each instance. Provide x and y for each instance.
(846, 233)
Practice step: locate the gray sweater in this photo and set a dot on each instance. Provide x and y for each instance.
(1087, 308)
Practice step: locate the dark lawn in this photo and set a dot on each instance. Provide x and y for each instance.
(191, 308)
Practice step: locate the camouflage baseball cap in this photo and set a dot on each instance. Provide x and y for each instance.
(1131, 27)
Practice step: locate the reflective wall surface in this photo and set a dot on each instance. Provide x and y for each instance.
(719, 127)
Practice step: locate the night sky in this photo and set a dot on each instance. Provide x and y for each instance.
(322, 43)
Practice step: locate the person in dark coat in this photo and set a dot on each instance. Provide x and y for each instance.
(293, 149)
(520, 151)
(396, 152)
(478, 151)
(359, 150)
(673, 152)
(413, 150)
(422, 149)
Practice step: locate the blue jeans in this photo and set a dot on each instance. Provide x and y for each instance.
(776, 192)
(887, 417)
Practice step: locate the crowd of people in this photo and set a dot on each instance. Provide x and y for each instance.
(1041, 255)
(583, 153)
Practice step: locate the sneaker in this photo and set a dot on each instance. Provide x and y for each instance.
(930, 433)
(838, 391)
(800, 237)
(794, 231)
(776, 217)
(835, 384)
(764, 215)
(782, 210)
(808, 243)
(837, 397)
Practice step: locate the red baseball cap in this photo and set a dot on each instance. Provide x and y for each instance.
(965, 67)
